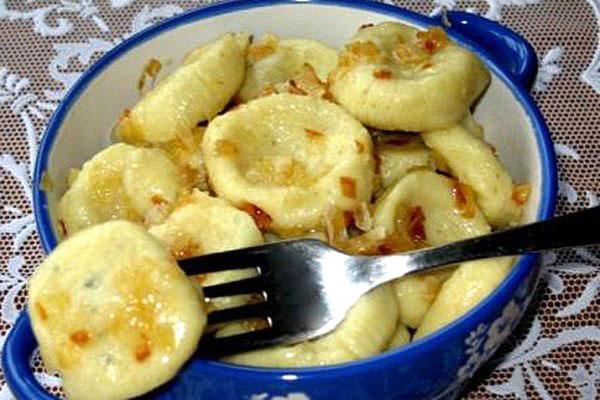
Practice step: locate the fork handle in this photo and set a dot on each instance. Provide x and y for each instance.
(574, 230)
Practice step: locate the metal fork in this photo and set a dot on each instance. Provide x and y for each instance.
(308, 287)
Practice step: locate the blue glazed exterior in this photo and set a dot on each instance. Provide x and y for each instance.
(434, 367)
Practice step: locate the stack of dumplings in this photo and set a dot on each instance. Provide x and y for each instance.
(372, 148)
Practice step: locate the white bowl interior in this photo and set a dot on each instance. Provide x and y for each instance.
(86, 126)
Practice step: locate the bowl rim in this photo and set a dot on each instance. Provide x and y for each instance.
(502, 293)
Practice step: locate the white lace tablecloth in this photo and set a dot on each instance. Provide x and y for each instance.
(555, 353)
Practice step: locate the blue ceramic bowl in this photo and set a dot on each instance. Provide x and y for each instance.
(437, 366)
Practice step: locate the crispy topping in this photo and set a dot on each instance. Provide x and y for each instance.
(348, 218)
(307, 82)
(294, 88)
(260, 216)
(185, 249)
(385, 248)
(363, 26)
(80, 337)
(259, 51)
(410, 55)
(521, 193)
(157, 199)
(432, 40)
(375, 242)
(335, 225)
(143, 350)
(224, 147)
(267, 90)
(328, 96)
(383, 74)
(312, 134)
(151, 70)
(41, 311)
(201, 278)
(464, 199)
(362, 51)
(348, 186)
(63, 228)
(360, 146)
(416, 227)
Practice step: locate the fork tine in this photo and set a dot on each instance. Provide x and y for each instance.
(218, 347)
(243, 286)
(223, 261)
(249, 311)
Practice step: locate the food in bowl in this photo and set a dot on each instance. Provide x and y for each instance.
(298, 158)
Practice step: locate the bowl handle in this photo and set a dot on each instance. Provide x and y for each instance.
(18, 347)
(510, 50)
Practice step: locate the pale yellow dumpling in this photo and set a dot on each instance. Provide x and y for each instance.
(203, 224)
(392, 76)
(471, 283)
(113, 313)
(396, 160)
(285, 158)
(195, 92)
(121, 182)
(474, 163)
(287, 66)
(423, 206)
(366, 331)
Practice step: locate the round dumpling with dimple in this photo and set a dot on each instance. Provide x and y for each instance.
(430, 210)
(473, 162)
(204, 224)
(286, 158)
(195, 92)
(288, 65)
(121, 182)
(366, 331)
(113, 313)
(394, 77)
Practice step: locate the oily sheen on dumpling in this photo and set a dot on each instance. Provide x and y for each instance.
(285, 158)
(121, 182)
(473, 162)
(202, 224)
(113, 313)
(195, 92)
(394, 77)
(287, 65)
(430, 200)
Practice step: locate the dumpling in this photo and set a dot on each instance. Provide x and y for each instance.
(203, 224)
(298, 66)
(392, 76)
(167, 116)
(474, 163)
(195, 92)
(365, 332)
(121, 182)
(471, 283)
(428, 209)
(398, 159)
(400, 338)
(285, 158)
(113, 313)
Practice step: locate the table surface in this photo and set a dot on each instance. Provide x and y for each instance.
(554, 354)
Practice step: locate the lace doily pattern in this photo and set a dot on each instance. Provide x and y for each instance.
(553, 354)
